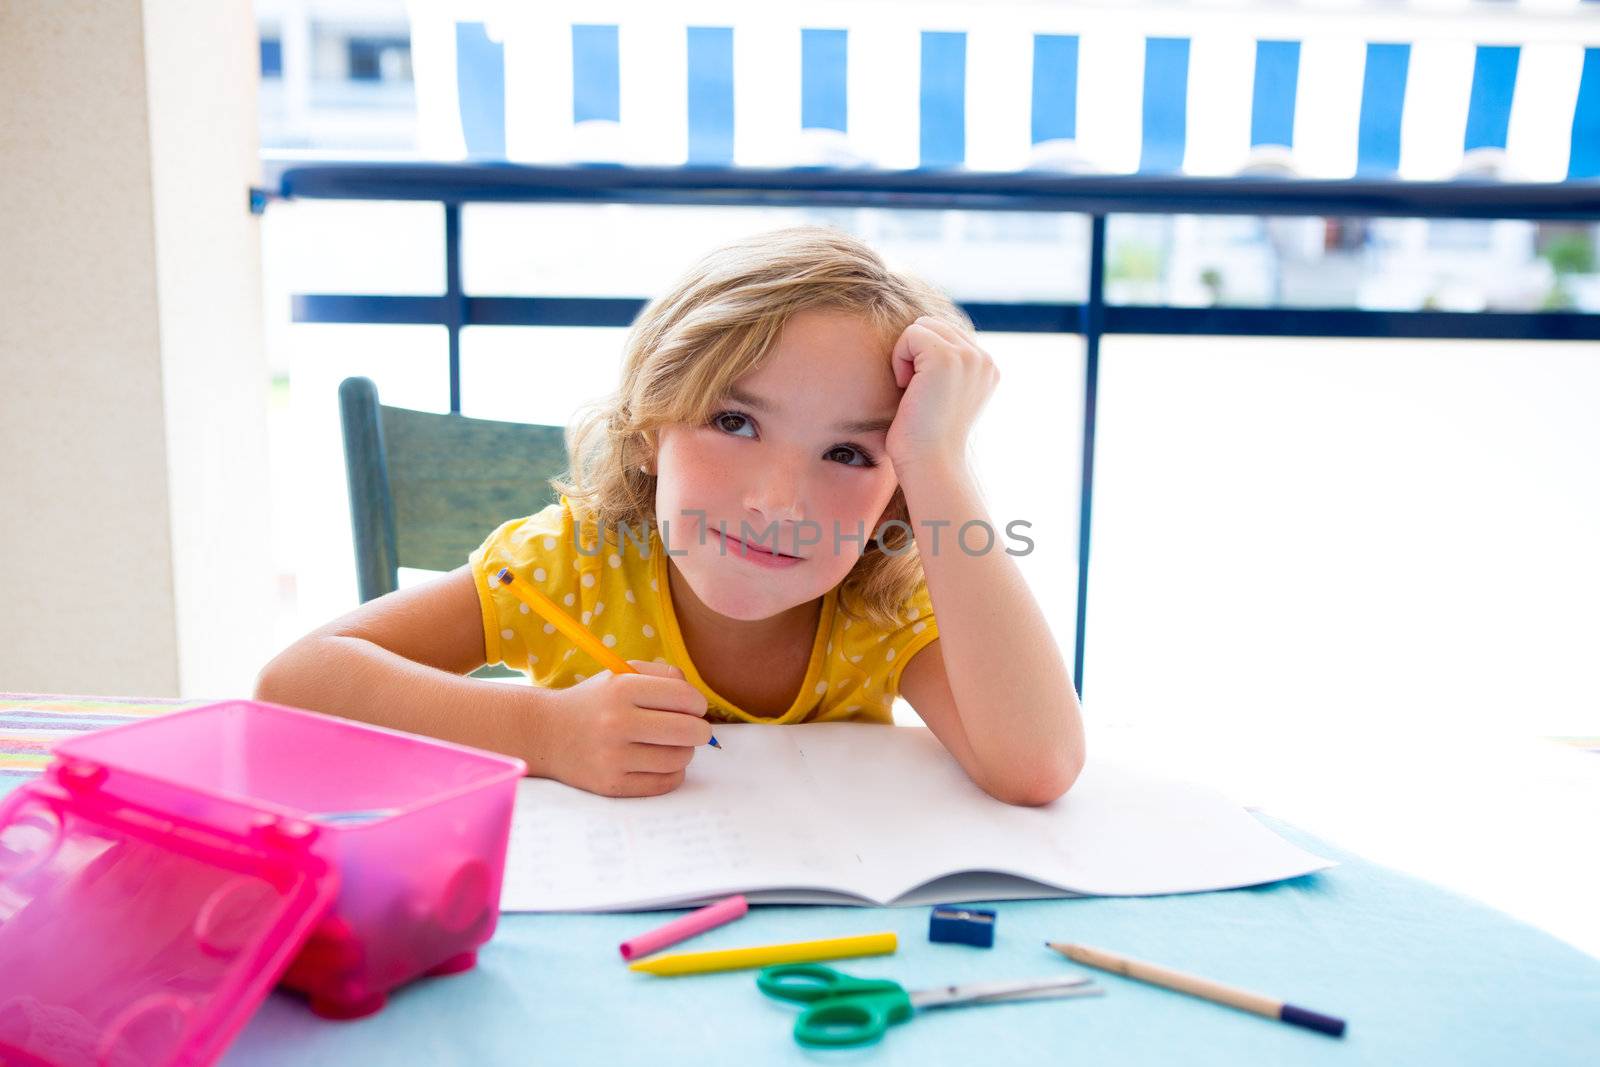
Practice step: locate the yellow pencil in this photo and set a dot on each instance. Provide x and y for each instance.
(547, 609)
(552, 614)
(737, 959)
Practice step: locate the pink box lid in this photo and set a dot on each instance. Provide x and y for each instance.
(136, 937)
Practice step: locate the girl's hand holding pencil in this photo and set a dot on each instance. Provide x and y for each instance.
(630, 730)
(625, 735)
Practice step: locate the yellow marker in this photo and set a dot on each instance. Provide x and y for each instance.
(736, 959)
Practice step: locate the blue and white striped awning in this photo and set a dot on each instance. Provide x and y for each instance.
(1005, 94)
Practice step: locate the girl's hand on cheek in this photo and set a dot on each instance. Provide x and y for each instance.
(947, 380)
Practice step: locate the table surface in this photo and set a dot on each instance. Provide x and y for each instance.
(1422, 975)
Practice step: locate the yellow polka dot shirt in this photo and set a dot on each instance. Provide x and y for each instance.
(621, 594)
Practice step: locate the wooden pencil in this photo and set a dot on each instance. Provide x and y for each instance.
(1203, 988)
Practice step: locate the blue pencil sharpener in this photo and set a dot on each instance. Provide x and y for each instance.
(955, 925)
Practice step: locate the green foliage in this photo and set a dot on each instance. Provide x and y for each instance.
(1134, 262)
(1571, 253)
(1557, 299)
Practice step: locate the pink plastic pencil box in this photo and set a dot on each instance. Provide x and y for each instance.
(161, 877)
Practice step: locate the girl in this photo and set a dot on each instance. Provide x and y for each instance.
(763, 520)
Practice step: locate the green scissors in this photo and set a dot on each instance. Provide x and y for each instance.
(843, 1011)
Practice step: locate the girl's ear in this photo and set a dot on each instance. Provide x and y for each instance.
(646, 452)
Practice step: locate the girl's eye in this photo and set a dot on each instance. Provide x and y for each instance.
(731, 422)
(734, 424)
(851, 455)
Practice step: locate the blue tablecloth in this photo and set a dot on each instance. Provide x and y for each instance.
(1423, 977)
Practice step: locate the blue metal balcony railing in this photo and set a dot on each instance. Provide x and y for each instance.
(454, 184)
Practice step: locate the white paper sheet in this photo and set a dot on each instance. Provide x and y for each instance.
(841, 813)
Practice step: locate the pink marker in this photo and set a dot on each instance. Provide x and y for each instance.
(696, 922)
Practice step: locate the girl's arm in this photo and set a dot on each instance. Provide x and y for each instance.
(993, 688)
(400, 661)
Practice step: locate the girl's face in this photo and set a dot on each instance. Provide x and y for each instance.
(796, 454)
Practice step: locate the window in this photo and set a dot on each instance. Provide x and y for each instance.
(271, 57)
(378, 59)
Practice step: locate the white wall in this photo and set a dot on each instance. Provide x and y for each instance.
(133, 548)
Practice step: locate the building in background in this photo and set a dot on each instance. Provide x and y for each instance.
(336, 77)
(338, 80)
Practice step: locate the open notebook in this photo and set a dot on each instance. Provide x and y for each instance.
(842, 813)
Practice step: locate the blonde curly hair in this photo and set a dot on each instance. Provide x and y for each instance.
(716, 325)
